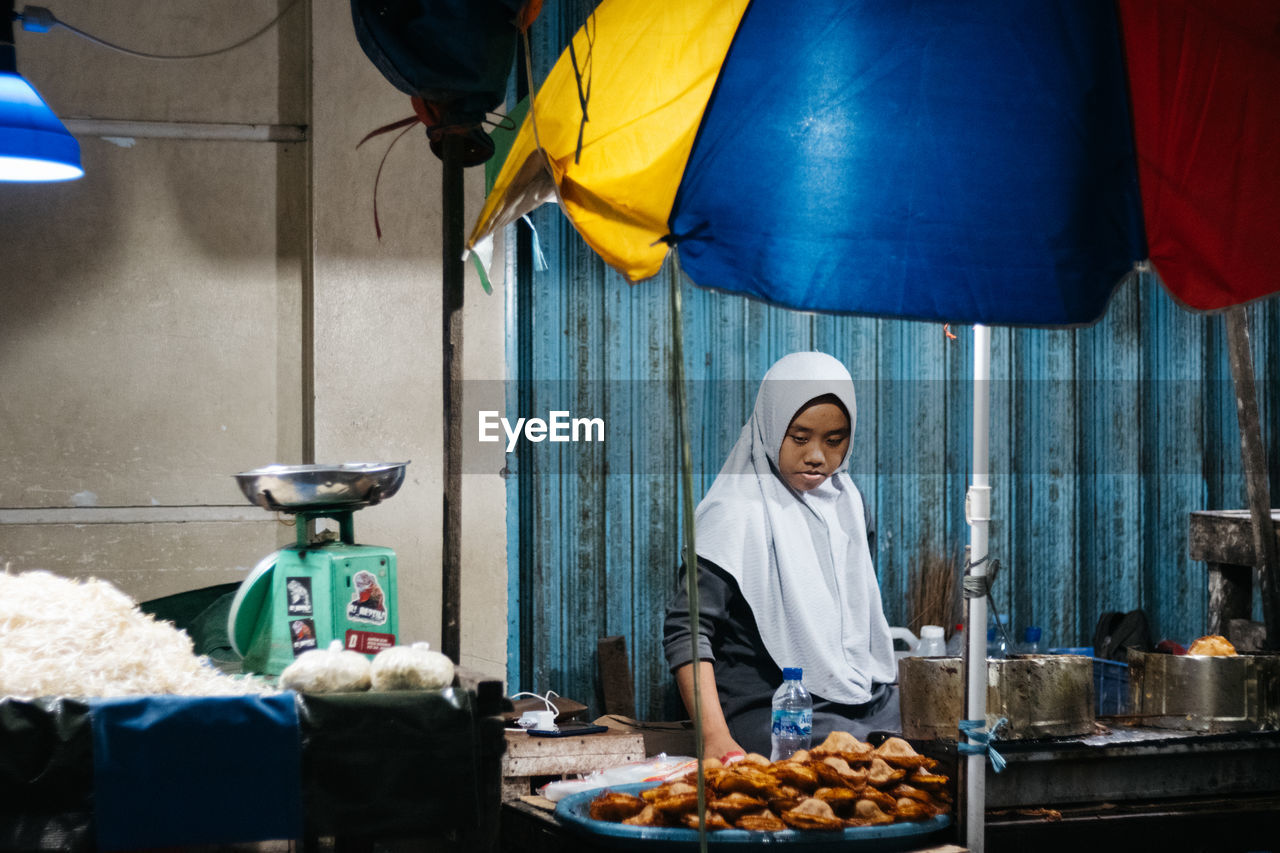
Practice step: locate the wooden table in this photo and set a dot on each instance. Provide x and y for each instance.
(529, 759)
(1224, 540)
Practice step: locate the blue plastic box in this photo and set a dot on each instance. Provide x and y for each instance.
(1111, 687)
(1110, 682)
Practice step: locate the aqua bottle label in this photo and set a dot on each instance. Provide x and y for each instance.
(797, 723)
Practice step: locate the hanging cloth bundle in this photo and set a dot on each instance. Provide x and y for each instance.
(453, 57)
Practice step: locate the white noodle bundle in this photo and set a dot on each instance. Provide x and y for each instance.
(413, 667)
(331, 670)
(60, 637)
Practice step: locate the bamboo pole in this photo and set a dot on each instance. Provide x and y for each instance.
(451, 345)
(1254, 455)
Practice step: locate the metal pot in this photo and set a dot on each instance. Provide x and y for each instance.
(1038, 695)
(1239, 693)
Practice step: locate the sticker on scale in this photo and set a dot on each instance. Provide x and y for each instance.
(299, 593)
(303, 634)
(368, 642)
(368, 604)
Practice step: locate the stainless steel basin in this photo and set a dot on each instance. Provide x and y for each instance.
(1206, 694)
(1038, 695)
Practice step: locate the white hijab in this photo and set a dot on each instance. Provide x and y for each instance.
(800, 558)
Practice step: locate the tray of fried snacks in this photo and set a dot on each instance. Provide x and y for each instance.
(842, 791)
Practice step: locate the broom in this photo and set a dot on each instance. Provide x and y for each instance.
(931, 591)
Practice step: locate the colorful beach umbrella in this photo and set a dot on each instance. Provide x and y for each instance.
(982, 162)
(979, 162)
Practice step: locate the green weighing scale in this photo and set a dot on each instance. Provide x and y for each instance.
(322, 588)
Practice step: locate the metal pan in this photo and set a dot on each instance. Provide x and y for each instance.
(1239, 693)
(301, 488)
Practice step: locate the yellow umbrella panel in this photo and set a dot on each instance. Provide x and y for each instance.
(643, 110)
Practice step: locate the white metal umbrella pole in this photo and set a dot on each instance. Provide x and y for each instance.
(978, 514)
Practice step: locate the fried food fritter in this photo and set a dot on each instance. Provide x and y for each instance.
(711, 777)
(841, 799)
(765, 821)
(714, 821)
(675, 805)
(735, 805)
(842, 782)
(648, 816)
(615, 807)
(796, 774)
(881, 774)
(1214, 645)
(833, 770)
(785, 797)
(909, 792)
(812, 814)
(928, 781)
(745, 779)
(669, 789)
(843, 745)
(909, 809)
(835, 743)
(868, 811)
(898, 753)
(880, 798)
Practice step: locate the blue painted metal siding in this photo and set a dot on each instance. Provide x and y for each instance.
(1102, 441)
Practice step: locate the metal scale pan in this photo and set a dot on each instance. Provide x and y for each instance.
(313, 488)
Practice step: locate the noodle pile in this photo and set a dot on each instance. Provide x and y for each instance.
(61, 637)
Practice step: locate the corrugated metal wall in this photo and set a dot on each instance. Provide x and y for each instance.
(1102, 441)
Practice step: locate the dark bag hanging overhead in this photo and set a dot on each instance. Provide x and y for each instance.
(452, 56)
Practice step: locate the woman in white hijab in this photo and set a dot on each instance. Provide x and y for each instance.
(785, 577)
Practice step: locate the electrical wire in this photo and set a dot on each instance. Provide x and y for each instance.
(48, 19)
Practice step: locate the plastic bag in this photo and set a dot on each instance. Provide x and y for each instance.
(658, 768)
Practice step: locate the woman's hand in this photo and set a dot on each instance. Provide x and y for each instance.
(716, 740)
(720, 746)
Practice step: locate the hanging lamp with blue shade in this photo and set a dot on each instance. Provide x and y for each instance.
(34, 144)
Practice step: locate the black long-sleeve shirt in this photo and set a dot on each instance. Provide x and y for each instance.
(746, 675)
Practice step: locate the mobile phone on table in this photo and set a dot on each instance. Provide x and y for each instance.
(570, 728)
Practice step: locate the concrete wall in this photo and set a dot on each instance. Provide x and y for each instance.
(196, 306)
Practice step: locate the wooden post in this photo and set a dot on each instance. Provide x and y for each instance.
(1230, 595)
(615, 676)
(451, 344)
(1253, 452)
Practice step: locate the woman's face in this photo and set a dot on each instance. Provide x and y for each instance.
(814, 445)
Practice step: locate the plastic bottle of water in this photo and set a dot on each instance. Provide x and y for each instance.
(997, 646)
(1031, 644)
(932, 644)
(792, 715)
(955, 646)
